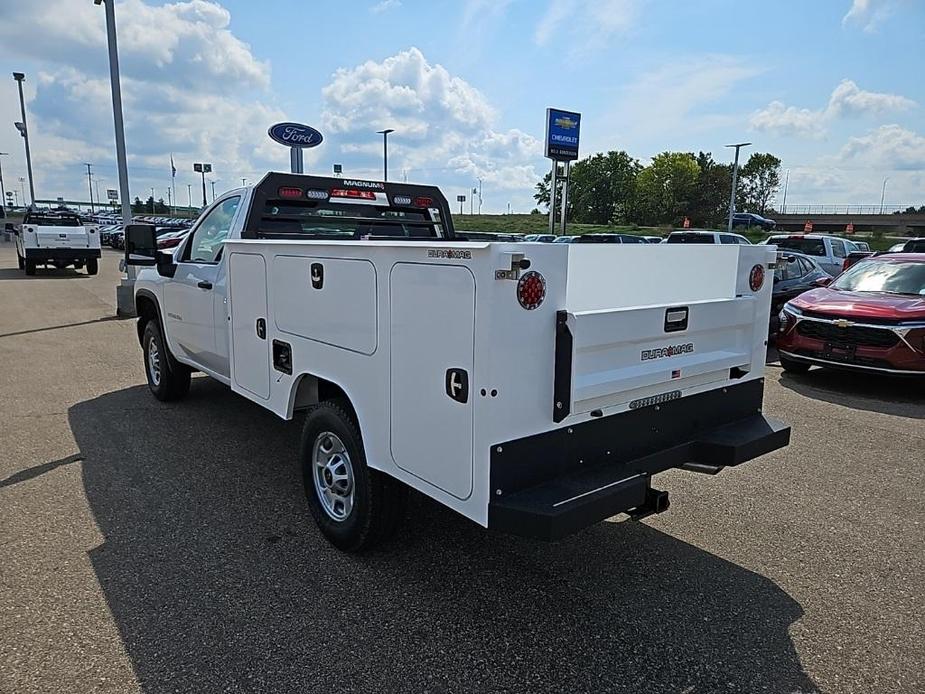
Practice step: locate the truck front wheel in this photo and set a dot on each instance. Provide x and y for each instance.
(167, 378)
(355, 507)
(30, 266)
(20, 261)
(93, 266)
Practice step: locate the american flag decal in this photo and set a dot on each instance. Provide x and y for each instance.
(676, 373)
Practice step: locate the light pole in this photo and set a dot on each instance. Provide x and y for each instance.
(153, 209)
(243, 182)
(125, 292)
(22, 187)
(385, 151)
(735, 179)
(23, 129)
(2, 189)
(883, 193)
(783, 205)
(480, 196)
(213, 190)
(90, 185)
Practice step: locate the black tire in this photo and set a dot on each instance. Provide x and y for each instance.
(93, 266)
(20, 261)
(29, 266)
(170, 379)
(794, 367)
(377, 500)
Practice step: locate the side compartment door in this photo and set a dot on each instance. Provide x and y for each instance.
(432, 331)
(250, 353)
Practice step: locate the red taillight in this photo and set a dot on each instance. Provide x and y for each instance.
(351, 193)
(844, 265)
(756, 278)
(531, 290)
(423, 202)
(289, 193)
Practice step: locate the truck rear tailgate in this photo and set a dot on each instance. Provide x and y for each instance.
(62, 237)
(621, 355)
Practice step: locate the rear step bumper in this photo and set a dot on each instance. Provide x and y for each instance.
(62, 253)
(554, 484)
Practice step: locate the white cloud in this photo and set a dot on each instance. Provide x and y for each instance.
(847, 99)
(177, 62)
(788, 120)
(441, 122)
(385, 5)
(587, 24)
(889, 147)
(868, 14)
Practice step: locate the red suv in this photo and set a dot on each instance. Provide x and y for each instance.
(870, 318)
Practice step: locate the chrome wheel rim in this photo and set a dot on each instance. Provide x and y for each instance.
(154, 362)
(333, 475)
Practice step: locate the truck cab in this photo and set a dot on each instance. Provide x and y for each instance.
(58, 239)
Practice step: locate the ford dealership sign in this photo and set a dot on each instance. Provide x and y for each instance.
(295, 135)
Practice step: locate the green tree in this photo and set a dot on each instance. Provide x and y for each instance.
(759, 181)
(542, 189)
(710, 202)
(138, 205)
(666, 187)
(602, 188)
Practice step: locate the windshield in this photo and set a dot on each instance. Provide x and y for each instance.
(348, 221)
(814, 247)
(890, 277)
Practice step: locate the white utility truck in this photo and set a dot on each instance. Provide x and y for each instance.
(534, 388)
(56, 238)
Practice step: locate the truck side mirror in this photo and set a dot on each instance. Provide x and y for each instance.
(140, 244)
(823, 281)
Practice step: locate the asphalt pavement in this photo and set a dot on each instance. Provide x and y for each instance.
(167, 548)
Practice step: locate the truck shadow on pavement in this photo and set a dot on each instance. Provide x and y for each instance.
(42, 273)
(218, 580)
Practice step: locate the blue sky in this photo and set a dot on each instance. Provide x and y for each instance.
(833, 87)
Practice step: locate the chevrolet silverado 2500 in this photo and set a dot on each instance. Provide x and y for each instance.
(534, 388)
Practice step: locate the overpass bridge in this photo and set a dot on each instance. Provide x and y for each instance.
(829, 222)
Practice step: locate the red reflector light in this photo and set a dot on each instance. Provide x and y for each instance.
(756, 278)
(531, 290)
(423, 202)
(351, 193)
(289, 193)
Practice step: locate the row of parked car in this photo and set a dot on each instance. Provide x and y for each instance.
(170, 230)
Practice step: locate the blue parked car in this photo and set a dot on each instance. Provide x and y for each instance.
(750, 219)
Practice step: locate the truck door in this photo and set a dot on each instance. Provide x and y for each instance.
(191, 294)
(432, 329)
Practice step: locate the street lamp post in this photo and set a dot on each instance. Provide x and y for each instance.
(213, 190)
(22, 188)
(2, 189)
(735, 180)
(883, 193)
(385, 151)
(23, 128)
(243, 182)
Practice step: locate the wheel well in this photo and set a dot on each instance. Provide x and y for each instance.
(146, 310)
(311, 389)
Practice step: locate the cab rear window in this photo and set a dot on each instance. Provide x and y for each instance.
(345, 221)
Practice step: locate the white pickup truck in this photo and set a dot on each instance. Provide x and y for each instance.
(534, 388)
(55, 238)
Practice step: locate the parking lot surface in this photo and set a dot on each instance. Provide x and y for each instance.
(166, 547)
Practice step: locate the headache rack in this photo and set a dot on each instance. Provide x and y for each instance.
(302, 191)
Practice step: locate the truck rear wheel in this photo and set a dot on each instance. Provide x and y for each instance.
(167, 378)
(20, 261)
(30, 266)
(355, 507)
(93, 266)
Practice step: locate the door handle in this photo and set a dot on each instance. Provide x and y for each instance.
(204, 285)
(457, 384)
(262, 328)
